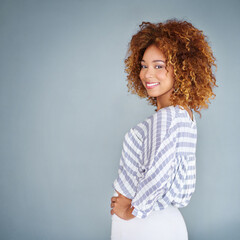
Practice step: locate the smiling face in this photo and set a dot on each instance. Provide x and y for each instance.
(155, 77)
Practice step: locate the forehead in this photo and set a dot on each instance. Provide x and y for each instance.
(153, 53)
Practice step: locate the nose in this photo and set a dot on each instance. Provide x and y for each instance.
(149, 73)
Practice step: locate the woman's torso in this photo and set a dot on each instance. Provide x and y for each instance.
(165, 221)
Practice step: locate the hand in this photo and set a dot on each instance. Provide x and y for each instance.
(121, 206)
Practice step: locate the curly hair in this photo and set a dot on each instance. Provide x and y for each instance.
(187, 50)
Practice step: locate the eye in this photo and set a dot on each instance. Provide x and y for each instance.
(143, 66)
(159, 66)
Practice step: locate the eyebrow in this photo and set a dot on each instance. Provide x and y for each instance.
(155, 61)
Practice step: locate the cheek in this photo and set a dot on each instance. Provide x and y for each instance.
(141, 76)
(160, 76)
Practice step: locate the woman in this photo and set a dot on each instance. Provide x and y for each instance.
(170, 64)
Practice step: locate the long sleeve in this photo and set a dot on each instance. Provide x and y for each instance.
(159, 155)
(184, 181)
(128, 174)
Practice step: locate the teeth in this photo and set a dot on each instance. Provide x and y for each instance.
(152, 84)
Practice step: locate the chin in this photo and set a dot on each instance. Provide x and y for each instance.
(153, 95)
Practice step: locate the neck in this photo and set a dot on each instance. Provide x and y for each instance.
(164, 100)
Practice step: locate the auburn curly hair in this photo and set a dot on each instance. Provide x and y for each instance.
(187, 50)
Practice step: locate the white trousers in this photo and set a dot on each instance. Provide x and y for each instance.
(167, 224)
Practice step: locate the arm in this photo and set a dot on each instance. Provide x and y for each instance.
(121, 206)
(159, 148)
(128, 175)
(145, 188)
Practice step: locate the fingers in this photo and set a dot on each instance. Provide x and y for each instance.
(113, 202)
(114, 199)
(112, 211)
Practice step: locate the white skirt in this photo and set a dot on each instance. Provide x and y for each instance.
(167, 224)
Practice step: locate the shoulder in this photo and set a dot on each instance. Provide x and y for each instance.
(159, 122)
(163, 115)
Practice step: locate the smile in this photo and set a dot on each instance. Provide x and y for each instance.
(151, 85)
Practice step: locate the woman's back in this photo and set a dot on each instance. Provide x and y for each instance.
(157, 166)
(157, 171)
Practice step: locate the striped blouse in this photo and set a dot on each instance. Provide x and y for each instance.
(158, 162)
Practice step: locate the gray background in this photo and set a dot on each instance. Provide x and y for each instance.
(65, 109)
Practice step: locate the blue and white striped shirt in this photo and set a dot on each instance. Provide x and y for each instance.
(158, 161)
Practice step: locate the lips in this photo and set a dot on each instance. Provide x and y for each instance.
(150, 85)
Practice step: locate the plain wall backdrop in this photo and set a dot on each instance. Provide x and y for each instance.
(64, 110)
